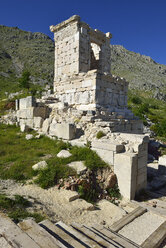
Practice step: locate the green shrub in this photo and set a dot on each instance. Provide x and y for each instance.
(114, 193)
(50, 176)
(160, 128)
(24, 80)
(100, 134)
(15, 208)
(136, 100)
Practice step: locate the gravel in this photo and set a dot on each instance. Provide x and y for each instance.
(142, 227)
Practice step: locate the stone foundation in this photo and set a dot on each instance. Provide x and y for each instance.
(88, 99)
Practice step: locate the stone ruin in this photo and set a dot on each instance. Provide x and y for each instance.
(87, 99)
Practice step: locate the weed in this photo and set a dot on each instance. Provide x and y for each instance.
(15, 208)
(114, 192)
(100, 134)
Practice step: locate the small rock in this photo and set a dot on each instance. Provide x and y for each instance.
(29, 136)
(37, 136)
(64, 154)
(110, 181)
(78, 166)
(70, 195)
(40, 166)
(24, 128)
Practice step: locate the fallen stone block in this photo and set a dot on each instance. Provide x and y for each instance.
(78, 166)
(65, 131)
(24, 128)
(46, 125)
(106, 145)
(115, 211)
(40, 165)
(70, 195)
(64, 154)
(29, 136)
(38, 121)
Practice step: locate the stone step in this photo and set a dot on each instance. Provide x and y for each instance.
(88, 243)
(37, 233)
(156, 238)
(14, 235)
(127, 219)
(119, 240)
(158, 210)
(100, 241)
(4, 243)
(64, 237)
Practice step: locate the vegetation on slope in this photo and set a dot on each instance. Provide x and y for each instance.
(21, 50)
(151, 111)
(16, 206)
(18, 155)
(140, 71)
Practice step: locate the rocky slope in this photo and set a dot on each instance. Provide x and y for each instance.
(141, 71)
(22, 50)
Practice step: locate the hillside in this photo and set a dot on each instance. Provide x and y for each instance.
(22, 50)
(141, 71)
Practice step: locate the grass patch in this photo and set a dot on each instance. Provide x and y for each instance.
(100, 134)
(18, 155)
(15, 208)
(144, 106)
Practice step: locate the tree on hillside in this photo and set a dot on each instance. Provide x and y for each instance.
(24, 80)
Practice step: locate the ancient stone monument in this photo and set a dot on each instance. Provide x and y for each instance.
(88, 99)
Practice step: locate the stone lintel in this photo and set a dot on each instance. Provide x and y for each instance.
(74, 18)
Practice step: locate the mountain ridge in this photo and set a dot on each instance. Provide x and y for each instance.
(34, 51)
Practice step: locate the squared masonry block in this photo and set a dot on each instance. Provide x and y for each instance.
(108, 146)
(27, 102)
(42, 112)
(65, 131)
(29, 122)
(142, 162)
(45, 126)
(38, 121)
(26, 113)
(125, 168)
(106, 155)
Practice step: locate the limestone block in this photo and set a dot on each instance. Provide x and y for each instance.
(125, 168)
(46, 125)
(29, 136)
(114, 211)
(107, 145)
(24, 128)
(142, 161)
(40, 165)
(38, 121)
(135, 138)
(87, 83)
(162, 165)
(106, 155)
(17, 104)
(27, 102)
(29, 122)
(64, 130)
(78, 166)
(64, 154)
(41, 112)
(26, 113)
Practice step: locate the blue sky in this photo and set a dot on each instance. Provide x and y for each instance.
(138, 25)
